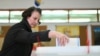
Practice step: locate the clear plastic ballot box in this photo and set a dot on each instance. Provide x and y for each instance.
(67, 51)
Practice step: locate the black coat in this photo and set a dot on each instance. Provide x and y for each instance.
(20, 38)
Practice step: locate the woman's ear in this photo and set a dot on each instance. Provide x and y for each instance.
(27, 17)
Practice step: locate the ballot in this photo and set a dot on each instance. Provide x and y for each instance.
(72, 42)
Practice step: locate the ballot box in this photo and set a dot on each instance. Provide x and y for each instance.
(72, 48)
(67, 51)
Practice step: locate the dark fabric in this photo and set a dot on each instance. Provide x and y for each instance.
(19, 39)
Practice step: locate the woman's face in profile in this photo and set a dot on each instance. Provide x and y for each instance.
(33, 20)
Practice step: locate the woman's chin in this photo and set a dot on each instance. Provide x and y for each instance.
(33, 26)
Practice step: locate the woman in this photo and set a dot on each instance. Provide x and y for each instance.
(19, 39)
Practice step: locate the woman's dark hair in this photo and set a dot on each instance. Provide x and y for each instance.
(28, 12)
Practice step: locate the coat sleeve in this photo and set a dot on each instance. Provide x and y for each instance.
(29, 37)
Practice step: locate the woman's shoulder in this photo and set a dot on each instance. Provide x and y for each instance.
(16, 27)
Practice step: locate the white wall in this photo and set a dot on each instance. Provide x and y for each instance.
(46, 4)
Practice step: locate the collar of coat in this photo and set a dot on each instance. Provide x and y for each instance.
(26, 25)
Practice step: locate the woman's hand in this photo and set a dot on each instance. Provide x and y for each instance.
(61, 38)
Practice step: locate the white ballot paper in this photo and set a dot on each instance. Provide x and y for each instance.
(72, 42)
